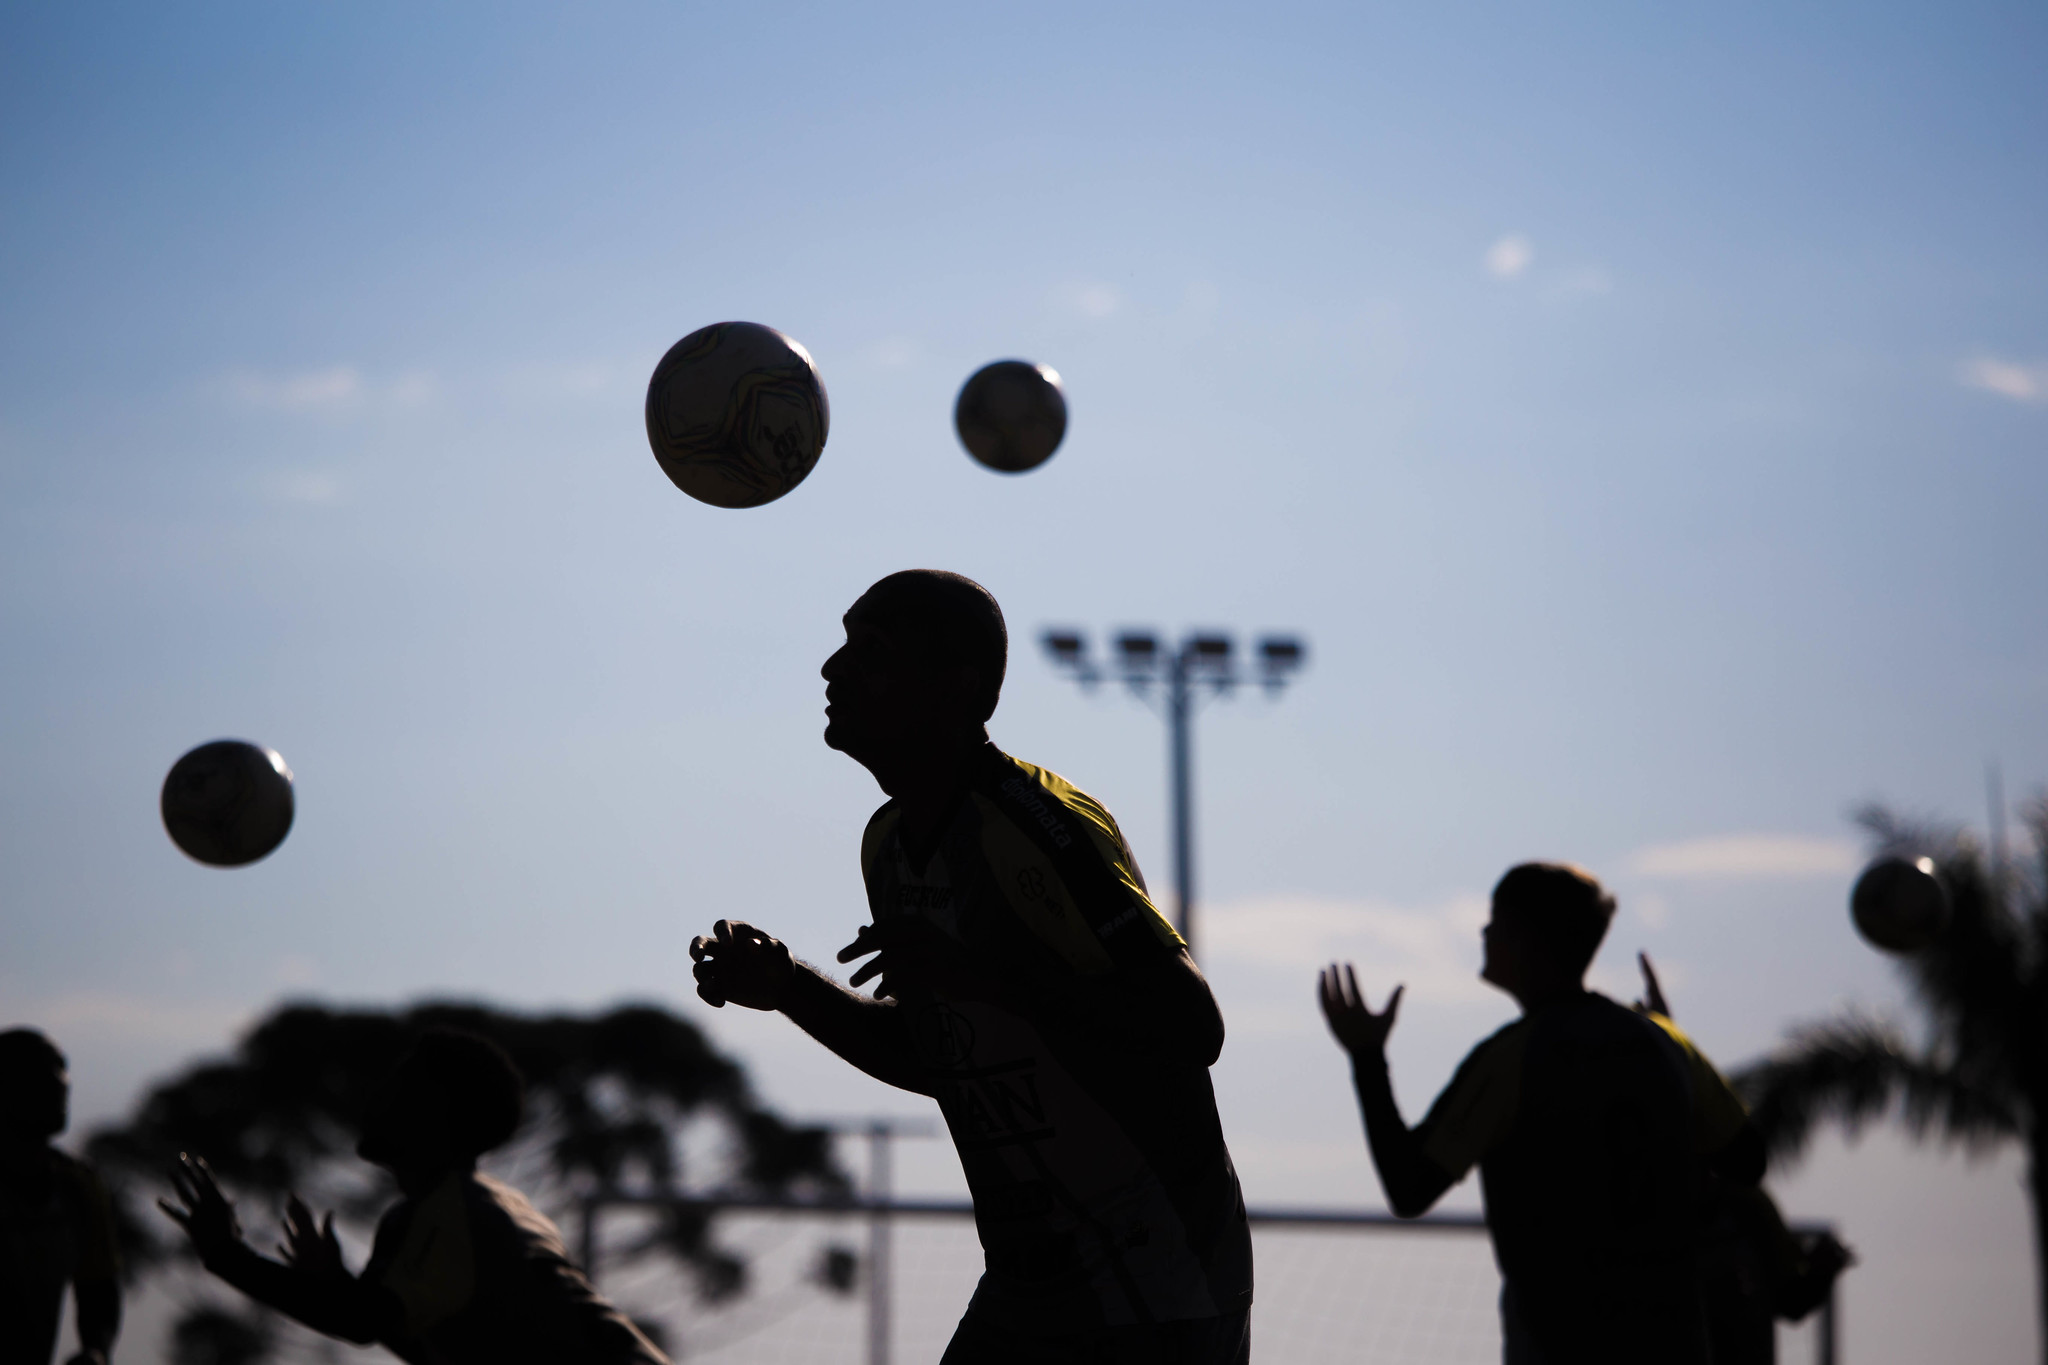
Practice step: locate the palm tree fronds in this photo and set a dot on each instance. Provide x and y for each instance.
(1854, 1070)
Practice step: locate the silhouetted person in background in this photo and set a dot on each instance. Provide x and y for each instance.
(464, 1271)
(1029, 985)
(1753, 1269)
(56, 1226)
(1591, 1127)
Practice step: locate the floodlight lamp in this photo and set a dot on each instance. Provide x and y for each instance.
(1068, 648)
(1210, 651)
(1279, 656)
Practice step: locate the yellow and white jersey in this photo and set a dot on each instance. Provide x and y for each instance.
(1102, 1188)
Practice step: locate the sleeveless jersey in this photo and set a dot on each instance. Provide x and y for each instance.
(1103, 1192)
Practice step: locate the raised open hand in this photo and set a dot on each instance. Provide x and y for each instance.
(1653, 994)
(738, 962)
(310, 1246)
(1362, 1033)
(910, 954)
(206, 1215)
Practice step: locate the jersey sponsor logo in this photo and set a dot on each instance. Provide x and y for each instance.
(1116, 922)
(945, 1037)
(921, 899)
(995, 1106)
(1025, 795)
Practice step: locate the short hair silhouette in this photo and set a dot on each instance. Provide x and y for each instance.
(1564, 907)
(951, 617)
(486, 1094)
(27, 1052)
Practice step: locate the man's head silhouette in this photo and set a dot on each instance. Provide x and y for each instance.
(35, 1087)
(920, 672)
(450, 1099)
(1548, 920)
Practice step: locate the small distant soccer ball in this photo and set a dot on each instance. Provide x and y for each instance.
(1011, 415)
(737, 414)
(1899, 905)
(228, 803)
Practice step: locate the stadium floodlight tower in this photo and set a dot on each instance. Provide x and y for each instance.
(1203, 663)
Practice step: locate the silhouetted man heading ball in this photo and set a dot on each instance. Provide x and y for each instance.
(1027, 984)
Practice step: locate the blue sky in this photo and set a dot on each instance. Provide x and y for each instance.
(1644, 416)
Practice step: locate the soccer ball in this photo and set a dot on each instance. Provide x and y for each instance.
(228, 803)
(1899, 905)
(1011, 415)
(737, 414)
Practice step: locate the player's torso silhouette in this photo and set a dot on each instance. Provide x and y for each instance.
(1101, 1184)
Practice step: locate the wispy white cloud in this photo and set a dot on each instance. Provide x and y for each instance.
(892, 353)
(1509, 257)
(302, 486)
(1581, 281)
(2019, 381)
(1747, 855)
(111, 1016)
(1091, 299)
(327, 390)
(1434, 949)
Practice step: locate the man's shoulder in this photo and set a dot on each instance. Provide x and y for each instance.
(503, 1212)
(879, 827)
(1039, 798)
(1502, 1046)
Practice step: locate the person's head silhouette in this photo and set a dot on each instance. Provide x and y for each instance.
(1548, 920)
(450, 1099)
(35, 1087)
(919, 674)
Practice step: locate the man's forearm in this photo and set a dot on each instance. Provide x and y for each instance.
(1411, 1180)
(871, 1034)
(341, 1307)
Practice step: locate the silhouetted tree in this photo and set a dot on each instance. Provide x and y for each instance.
(615, 1102)
(1980, 1076)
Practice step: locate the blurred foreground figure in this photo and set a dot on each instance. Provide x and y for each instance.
(1029, 985)
(1592, 1129)
(463, 1271)
(55, 1224)
(1753, 1269)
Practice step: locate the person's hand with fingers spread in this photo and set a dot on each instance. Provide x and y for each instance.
(911, 955)
(203, 1211)
(1362, 1033)
(739, 963)
(310, 1247)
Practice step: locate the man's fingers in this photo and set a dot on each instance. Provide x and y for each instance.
(178, 1216)
(872, 967)
(1357, 996)
(1394, 1005)
(711, 997)
(699, 947)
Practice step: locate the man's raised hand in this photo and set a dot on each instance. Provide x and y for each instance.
(310, 1246)
(1363, 1033)
(206, 1215)
(738, 962)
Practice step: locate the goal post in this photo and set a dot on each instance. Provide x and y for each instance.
(1334, 1285)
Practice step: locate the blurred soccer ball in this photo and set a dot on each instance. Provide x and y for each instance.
(1899, 905)
(228, 803)
(1011, 415)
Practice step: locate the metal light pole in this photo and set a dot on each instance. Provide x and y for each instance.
(1201, 661)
